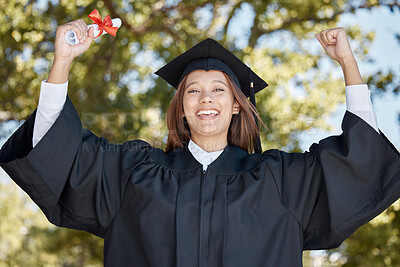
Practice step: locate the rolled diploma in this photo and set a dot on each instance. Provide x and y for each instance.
(72, 39)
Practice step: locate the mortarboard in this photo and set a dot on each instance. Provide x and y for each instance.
(210, 55)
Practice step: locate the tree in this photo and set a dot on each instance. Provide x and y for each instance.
(116, 94)
(374, 244)
(27, 237)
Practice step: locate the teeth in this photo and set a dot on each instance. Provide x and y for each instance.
(207, 112)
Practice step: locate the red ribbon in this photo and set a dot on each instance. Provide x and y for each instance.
(105, 25)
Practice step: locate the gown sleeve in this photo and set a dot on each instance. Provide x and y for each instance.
(76, 178)
(339, 184)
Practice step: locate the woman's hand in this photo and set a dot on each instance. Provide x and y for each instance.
(335, 43)
(337, 46)
(64, 53)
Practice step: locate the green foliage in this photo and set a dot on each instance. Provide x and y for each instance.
(118, 97)
(113, 80)
(375, 244)
(28, 239)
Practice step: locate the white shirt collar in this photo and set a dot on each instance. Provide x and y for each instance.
(203, 157)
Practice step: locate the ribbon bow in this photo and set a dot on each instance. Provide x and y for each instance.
(105, 25)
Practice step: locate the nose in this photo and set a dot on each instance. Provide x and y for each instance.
(206, 97)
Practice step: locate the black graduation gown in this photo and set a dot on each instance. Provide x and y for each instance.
(158, 209)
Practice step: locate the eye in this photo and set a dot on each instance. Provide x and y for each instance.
(192, 91)
(219, 89)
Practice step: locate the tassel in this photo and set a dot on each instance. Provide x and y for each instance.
(257, 141)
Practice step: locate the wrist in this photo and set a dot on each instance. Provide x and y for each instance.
(346, 62)
(351, 72)
(59, 71)
(62, 63)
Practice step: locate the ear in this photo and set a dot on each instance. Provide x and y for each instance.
(236, 108)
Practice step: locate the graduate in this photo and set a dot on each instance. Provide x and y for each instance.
(212, 198)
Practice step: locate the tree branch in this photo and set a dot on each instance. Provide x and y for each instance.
(230, 16)
(257, 31)
(137, 30)
(158, 10)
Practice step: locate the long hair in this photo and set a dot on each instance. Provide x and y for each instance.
(242, 131)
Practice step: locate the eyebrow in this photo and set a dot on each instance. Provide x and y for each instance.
(215, 81)
(219, 81)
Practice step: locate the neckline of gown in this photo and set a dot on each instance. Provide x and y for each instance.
(233, 160)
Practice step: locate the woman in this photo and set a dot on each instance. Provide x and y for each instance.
(208, 202)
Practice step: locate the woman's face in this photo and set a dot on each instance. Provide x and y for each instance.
(208, 105)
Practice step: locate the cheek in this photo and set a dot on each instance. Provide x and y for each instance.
(227, 103)
(188, 103)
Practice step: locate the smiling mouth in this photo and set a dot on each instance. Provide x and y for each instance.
(207, 114)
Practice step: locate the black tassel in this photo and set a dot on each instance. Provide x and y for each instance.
(257, 141)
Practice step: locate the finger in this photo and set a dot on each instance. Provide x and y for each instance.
(318, 36)
(83, 27)
(77, 29)
(341, 35)
(89, 38)
(331, 36)
(68, 26)
(91, 33)
(72, 26)
(323, 37)
(81, 33)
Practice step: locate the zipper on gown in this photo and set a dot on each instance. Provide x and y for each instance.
(202, 182)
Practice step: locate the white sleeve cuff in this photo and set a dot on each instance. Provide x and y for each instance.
(358, 101)
(358, 97)
(52, 96)
(51, 102)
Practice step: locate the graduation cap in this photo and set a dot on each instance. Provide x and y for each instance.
(210, 55)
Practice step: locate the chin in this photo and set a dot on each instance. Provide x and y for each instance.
(208, 132)
(209, 129)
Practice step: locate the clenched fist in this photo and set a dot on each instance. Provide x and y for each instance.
(337, 46)
(335, 43)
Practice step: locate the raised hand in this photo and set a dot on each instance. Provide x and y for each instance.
(64, 51)
(337, 46)
(335, 43)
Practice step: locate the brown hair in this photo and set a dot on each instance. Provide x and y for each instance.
(242, 131)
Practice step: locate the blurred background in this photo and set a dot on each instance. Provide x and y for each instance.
(113, 87)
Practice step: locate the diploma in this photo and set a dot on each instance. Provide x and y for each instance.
(100, 27)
